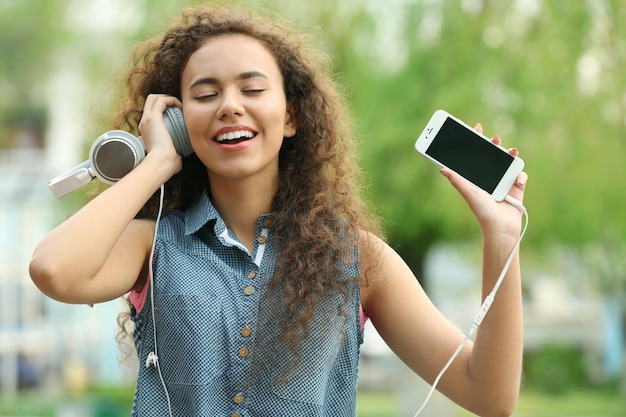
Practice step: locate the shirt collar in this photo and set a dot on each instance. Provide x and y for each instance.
(200, 213)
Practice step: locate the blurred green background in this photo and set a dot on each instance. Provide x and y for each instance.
(549, 77)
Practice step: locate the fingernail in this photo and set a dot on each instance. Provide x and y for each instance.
(522, 178)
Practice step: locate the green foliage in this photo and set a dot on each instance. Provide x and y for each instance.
(27, 39)
(576, 403)
(555, 370)
(548, 80)
(29, 32)
(371, 403)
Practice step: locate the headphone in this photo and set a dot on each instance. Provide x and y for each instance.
(116, 153)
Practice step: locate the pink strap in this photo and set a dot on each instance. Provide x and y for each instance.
(138, 299)
(363, 317)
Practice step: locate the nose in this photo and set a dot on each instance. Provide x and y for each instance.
(230, 105)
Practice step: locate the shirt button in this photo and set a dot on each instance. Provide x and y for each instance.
(246, 331)
(238, 398)
(251, 274)
(261, 239)
(235, 415)
(267, 222)
(248, 290)
(244, 352)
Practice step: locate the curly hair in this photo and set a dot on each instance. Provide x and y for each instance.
(317, 211)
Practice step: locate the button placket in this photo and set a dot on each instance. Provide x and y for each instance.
(249, 300)
(244, 343)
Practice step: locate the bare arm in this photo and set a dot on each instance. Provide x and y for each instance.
(100, 252)
(485, 377)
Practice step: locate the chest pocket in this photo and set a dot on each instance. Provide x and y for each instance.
(308, 381)
(191, 338)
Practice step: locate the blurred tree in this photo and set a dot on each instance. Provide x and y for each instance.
(546, 76)
(27, 39)
(543, 75)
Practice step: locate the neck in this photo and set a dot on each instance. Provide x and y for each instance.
(241, 203)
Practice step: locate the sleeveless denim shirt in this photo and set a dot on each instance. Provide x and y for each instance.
(216, 335)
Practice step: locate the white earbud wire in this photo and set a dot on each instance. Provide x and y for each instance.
(482, 312)
(154, 357)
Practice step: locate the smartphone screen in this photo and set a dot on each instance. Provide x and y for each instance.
(469, 155)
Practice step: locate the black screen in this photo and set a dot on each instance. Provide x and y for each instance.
(469, 155)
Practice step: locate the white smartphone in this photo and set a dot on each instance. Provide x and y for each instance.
(450, 143)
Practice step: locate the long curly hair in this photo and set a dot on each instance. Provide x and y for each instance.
(317, 211)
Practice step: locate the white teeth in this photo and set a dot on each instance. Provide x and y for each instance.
(235, 135)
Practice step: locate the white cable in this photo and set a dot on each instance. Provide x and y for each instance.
(153, 358)
(443, 370)
(484, 308)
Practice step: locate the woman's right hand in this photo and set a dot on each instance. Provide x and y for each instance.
(154, 133)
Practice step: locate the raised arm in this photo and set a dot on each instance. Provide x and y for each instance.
(485, 377)
(100, 252)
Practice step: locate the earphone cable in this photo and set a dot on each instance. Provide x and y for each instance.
(482, 312)
(151, 283)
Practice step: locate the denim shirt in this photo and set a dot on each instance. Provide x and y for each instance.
(216, 332)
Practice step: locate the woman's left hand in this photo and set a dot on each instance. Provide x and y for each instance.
(492, 216)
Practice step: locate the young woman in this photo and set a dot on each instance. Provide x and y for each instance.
(265, 262)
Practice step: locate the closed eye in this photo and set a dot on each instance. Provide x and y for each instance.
(205, 96)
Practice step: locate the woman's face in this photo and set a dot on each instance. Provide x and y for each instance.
(235, 108)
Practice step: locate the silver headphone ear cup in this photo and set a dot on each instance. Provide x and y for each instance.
(114, 154)
(175, 123)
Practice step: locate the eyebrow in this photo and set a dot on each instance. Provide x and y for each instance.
(243, 76)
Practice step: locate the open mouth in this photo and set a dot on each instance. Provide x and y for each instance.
(238, 136)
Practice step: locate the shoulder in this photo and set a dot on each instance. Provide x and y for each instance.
(385, 276)
(377, 263)
(377, 257)
(171, 224)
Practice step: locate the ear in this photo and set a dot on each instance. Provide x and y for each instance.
(291, 126)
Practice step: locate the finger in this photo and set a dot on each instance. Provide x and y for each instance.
(154, 107)
(479, 128)
(496, 139)
(159, 102)
(513, 152)
(462, 185)
(517, 191)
